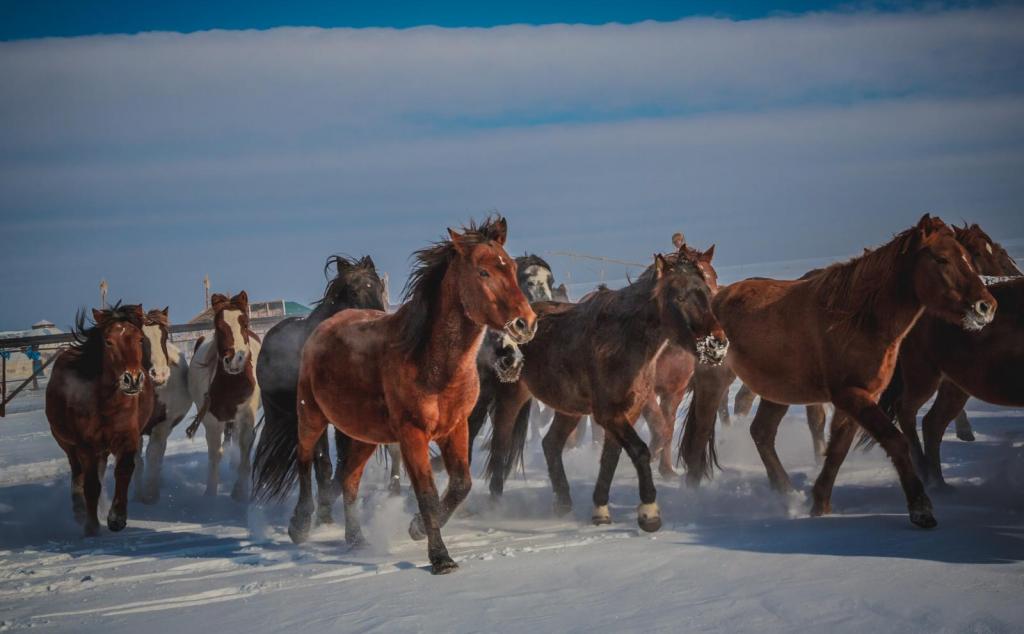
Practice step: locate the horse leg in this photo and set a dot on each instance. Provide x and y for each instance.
(416, 455)
(669, 411)
(455, 452)
(949, 401)
(839, 441)
(661, 436)
(349, 474)
(596, 431)
(395, 480)
(610, 453)
(723, 409)
(245, 428)
(553, 444)
(326, 492)
(763, 430)
(744, 400)
(140, 468)
(816, 423)
(155, 450)
(478, 417)
(117, 518)
(312, 425)
(77, 484)
(509, 403)
(859, 404)
(648, 516)
(698, 442)
(91, 491)
(964, 431)
(214, 430)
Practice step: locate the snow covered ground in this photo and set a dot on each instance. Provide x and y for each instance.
(732, 556)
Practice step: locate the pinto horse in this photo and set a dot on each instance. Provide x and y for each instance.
(356, 284)
(409, 377)
(222, 382)
(595, 357)
(835, 337)
(169, 374)
(97, 402)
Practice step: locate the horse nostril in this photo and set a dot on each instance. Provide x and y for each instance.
(983, 308)
(520, 325)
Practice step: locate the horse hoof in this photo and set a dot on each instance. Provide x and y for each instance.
(443, 565)
(693, 480)
(298, 531)
(324, 517)
(921, 515)
(562, 507)
(117, 522)
(966, 435)
(601, 516)
(417, 531)
(648, 517)
(356, 543)
(821, 509)
(668, 473)
(395, 487)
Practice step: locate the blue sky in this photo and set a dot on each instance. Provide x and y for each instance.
(152, 159)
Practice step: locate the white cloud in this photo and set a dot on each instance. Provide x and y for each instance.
(779, 137)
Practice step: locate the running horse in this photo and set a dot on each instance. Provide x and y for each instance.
(169, 374)
(355, 284)
(222, 382)
(835, 337)
(97, 402)
(596, 357)
(408, 377)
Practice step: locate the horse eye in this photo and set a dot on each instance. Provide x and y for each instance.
(484, 273)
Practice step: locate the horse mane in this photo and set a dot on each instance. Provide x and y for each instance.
(338, 286)
(851, 290)
(86, 351)
(532, 259)
(423, 287)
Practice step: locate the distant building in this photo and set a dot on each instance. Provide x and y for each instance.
(257, 310)
(19, 364)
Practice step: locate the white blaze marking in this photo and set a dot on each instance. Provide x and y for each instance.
(989, 247)
(232, 317)
(155, 336)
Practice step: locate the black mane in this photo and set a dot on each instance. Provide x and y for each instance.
(531, 259)
(86, 352)
(423, 288)
(341, 291)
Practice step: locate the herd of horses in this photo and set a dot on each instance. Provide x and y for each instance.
(485, 336)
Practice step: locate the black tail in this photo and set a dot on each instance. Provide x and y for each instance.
(709, 454)
(517, 445)
(275, 463)
(889, 402)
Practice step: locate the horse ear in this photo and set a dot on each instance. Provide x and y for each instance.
(137, 312)
(98, 315)
(501, 230)
(217, 299)
(368, 262)
(709, 254)
(241, 298)
(166, 311)
(659, 266)
(457, 241)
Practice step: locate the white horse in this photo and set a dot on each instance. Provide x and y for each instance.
(169, 373)
(222, 383)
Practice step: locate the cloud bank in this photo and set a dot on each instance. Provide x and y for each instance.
(251, 155)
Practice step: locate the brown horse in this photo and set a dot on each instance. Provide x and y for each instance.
(596, 357)
(409, 377)
(97, 402)
(673, 370)
(959, 364)
(835, 337)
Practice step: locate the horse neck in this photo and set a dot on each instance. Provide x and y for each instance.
(643, 330)
(453, 338)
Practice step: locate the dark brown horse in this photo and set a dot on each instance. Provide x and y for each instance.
(835, 337)
(409, 377)
(97, 402)
(596, 357)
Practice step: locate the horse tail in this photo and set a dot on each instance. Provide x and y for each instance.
(709, 454)
(889, 403)
(275, 464)
(516, 447)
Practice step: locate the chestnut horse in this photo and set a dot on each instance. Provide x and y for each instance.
(834, 337)
(97, 402)
(596, 357)
(169, 373)
(409, 377)
(959, 364)
(355, 285)
(222, 382)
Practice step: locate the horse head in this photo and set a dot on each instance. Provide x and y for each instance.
(535, 278)
(125, 350)
(231, 331)
(683, 293)
(155, 327)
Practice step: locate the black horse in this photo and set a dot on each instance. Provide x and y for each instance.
(355, 285)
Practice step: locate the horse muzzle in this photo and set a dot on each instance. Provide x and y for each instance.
(235, 363)
(979, 315)
(131, 383)
(159, 377)
(520, 331)
(711, 350)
